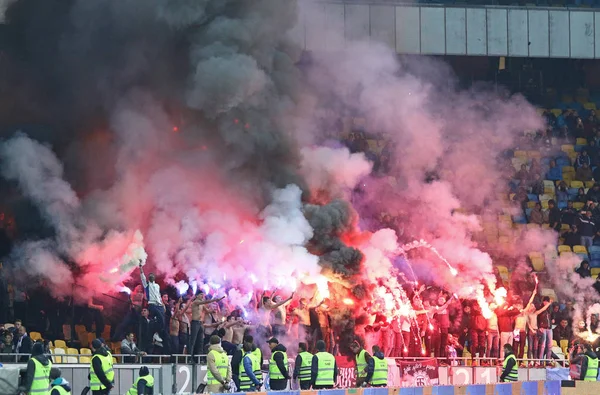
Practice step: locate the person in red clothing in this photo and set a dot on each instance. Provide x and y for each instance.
(506, 325)
(478, 325)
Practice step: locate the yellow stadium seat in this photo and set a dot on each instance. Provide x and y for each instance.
(85, 359)
(589, 184)
(567, 178)
(531, 204)
(576, 184)
(538, 264)
(60, 344)
(595, 271)
(589, 106)
(534, 155)
(581, 141)
(549, 191)
(556, 111)
(567, 254)
(72, 351)
(115, 360)
(568, 169)
(535, 254)
(549, 183)
(533, 226)
(544, 204)
(579, 249)
(578, 205)
(521, 154)
(502, 269)
(564, 227)
(85, 351)
(567, 148)
(35, 336)
(572, 156)
(546, 196)
(564, 248)
(564, 346)
(58, 351)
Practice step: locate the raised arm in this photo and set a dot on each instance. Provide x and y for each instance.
(143, 277)
(543, 308)
(532, 297)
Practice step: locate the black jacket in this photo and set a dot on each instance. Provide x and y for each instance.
(509, 366)
(43, 359)
(142, 389)
(97, 366)
(278, 358)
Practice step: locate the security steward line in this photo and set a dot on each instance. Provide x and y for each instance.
(527, 387)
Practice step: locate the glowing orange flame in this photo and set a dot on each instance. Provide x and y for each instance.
(348, 301)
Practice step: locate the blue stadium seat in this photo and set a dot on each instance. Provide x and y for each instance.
(562, 205)
(533, 198)
(563, 161)
(595, 263)
(573, 191)
(594, 249)
(579, 148)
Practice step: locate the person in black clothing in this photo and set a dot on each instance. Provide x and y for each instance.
(278, 384)
(510, 363)
(553, 215)
(572, 237)
(587, 228)
(578, 357)
(568, 214)
(142, 385)
(594, 193)
(314, 368)
(562, 332)
(584, 269)
(37, 353)
(99, 349)
(597, 284)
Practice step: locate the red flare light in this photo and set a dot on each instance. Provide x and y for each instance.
(348, 301)
(175, 129)
(430, 327)
(422, 351)
(453, 271)
(236, 121)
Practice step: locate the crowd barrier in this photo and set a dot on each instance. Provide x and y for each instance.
(424, 378)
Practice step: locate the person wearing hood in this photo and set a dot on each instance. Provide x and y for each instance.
(144, 384)
(101, 369)
(37, 379)
(60, 386)
(380, 372)
(278, 365)
(588, 360)
(219, 369)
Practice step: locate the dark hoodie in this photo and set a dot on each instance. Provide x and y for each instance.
(37, 353)
(97, 366)
(278, 358)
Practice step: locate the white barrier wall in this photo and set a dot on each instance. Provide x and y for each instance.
(441, 30)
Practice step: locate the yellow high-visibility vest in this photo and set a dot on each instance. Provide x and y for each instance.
(380, 373)
(107, 368)
(361, 364)
(305, 368)
(222, 363)
(513, 375)
(274, 372)
(326, 367)
(149, 383)
(41, 378)
(591, 373)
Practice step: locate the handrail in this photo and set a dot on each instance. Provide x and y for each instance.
(138, 358)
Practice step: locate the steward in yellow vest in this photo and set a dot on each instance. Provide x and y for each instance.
(589, 364)
(144, 384)
(362, 362)
(101, 369)
(218, 374)
(323, 369)
(37, 381)
(60, 386)
(248, 380)
(278, 365)
(302, 366)
(379, 375)
(510, 370)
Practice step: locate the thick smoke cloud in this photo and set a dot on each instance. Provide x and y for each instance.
(191, 122)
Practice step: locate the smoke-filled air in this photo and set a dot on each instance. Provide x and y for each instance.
(197, 138)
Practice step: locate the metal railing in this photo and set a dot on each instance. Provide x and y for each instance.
(121, 358)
